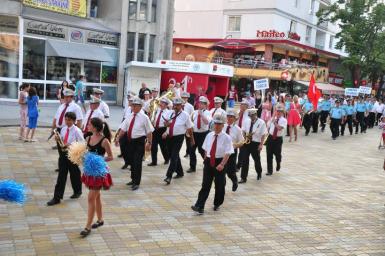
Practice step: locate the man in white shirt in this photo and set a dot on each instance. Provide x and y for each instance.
(177, 123)
(201, 119)
(237, 137)
(218, 148)
(138, 129)
(254, 131)
(380, 108)
(146, 101)
(243, 118)
(274, 142)
(98, 93)
(217, 109)
(93, 112)
(68, 134)
(189, 109)
(162, 113)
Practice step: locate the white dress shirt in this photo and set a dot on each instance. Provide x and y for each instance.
(182, 123)
(258, 130)
(72, 107)
(146, 105)
(217, 111)
(235, 133)
(96, 113)
(244, 119)
(380, 108)
(224, 144)
(128, 112)
(164, 116)
(75, 134)
(142, 125)
(204, 114)
(281, 122)
(105, 109)
(188, 108)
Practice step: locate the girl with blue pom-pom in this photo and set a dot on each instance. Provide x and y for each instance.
(96, 175)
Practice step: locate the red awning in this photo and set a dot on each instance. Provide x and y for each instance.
(233, 45)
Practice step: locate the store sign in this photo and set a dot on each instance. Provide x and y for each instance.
(45, 29)
(9, 24)
(352, 92)
(198, 67)
(273, 34)
(365, 90)
(103, 38)
(261, 84)
(77, 36)
(336, 80)
(69, 7)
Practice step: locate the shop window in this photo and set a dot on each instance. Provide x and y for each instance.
(33, 54)
(109, 93)
(40, 90)
(9, 90)
(153, 10)
(92, 71)
(141, 47)
(109, 75)
(234, 24)
(308, 34)
(143, 10)
(56, 68)
(52, 91)
(94, 9)
(130, 47)
(132, 9)
(151, 49)
(9, 55)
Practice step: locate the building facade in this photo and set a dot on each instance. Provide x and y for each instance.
(44, 44)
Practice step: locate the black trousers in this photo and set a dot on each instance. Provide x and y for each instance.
(335, 127)
(360, 121)
(231, 167)
(323, 119)
(174, 145)
(199, 138)
(240, 157)
(58, 149)
(134, 152)
(349, 121)
(188, 145)
(378, 117)
(273, 148)
(307, 122)
(65, 166)
(211, 174)
(315, 120)
(123, 144)
(158, 140)
(251, 149)
(371, 119)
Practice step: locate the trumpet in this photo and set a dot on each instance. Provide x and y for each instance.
(154, 104)
(58, 139)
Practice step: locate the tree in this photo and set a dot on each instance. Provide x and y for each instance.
(362, 34)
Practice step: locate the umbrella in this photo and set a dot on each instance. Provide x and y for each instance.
(233, 45)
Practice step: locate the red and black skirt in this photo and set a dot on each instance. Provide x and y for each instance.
(96, 183)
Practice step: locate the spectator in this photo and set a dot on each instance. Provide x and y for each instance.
(142, 90)
(33, 113)
(232, 96)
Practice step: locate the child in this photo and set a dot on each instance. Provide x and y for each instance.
(23, 94)
(381, 125)
(69, 134)
(33, 113)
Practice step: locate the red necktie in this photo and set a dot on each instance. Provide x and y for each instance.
(199, 120)
(171, 131)
(228, 129)
(66, 136)
(158, 120)
(129, 133)
(275, 132)
(213, 151)
(88, 121)
(62, 114)
(240, 120)
(215, 110)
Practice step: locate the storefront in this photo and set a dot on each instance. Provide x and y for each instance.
(45, 51)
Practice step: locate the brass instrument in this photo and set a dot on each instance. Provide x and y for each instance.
(116, 135)
(154, 104)
(59, 140)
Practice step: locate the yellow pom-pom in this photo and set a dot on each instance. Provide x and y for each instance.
(76, 152)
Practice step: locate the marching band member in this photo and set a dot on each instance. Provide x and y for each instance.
(236, 136)
(274, 141)
(336, 115)
(242, 120)
(201, 119)
(159, 124)
(361, 111)
(69, 133)
(187, 107)
(308, 111)
(92, 112)
(218, 147)
(325, 107)
(139, 138)
(178, 123)
(146, 102)
(254, 130)
(217, 107)
(126, 113)
(98, 93)
(349, 111)
(154, 93)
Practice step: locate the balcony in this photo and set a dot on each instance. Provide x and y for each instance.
(323, 25)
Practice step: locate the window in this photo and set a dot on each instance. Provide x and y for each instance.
(94, 9)
(130, 47)
(92, 71)
(312, 7)
(143, 10)
(56, 68)
(331, 42)
(141, 46)
(234, 24)
(109, 69)
(9, 57)
(52, 91)
(308, 34)
(34, 54)
(151, 49)
(9, 90)
(40, 90)
(296, 2)
(109, 93)
(132, 9)
(153, 10)
(293, 26)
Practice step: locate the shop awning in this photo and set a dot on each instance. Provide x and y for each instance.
(77, 51)
(326, 88)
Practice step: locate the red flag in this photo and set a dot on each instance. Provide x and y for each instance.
(314, 93)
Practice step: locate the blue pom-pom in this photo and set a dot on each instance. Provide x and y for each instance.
(12, 191)
(94, 165)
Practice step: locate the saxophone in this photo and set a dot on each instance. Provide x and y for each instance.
(154, 104)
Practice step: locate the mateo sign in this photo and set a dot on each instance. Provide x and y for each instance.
(273, 34)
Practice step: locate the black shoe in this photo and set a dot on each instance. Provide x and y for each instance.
(130, 183)
(120, 156)
(235, 186)
(54, 147)
(166, 162)
(197, 209)
(259, 177)
(269, 174)
(313, 132)
(56, 170)
(75, 196)
(124, 166)
(178, 176)
(134, 187)
(237, 169)
(191, 170)
(85, 232)
(151, 164)
(216, 207)
(242, 181)
(342, 134)
(97, 224)
(53, 201)
(185, 156)
(278, 167)
(334, 138)
(167, 180)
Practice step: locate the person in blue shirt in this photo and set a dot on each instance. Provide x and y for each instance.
(79, 91)
(349, 112)
(361, 110)
(336, 115)
(33, 113)
(325, 107)
(308, 110)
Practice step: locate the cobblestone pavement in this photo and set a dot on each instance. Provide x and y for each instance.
(327, 200)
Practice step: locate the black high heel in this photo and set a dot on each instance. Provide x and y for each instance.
(97, 224)
(85, 232)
